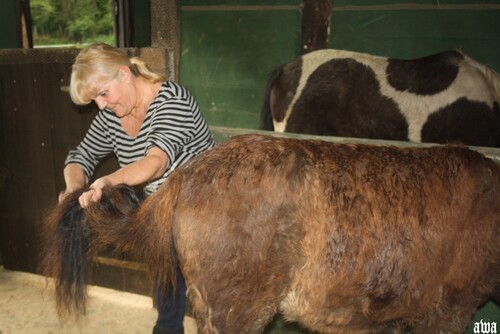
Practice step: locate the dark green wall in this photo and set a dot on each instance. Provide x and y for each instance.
(394, 29)
(228, 51)
(141, 30)
(9, 35)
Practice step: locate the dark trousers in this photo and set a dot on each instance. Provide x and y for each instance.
(171, 309)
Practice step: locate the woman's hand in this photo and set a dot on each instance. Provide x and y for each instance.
(95, 192)
(74, 177)
(150, 167)
(63, 194)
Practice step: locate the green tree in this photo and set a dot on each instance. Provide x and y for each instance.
(72, 21)
(42, 14)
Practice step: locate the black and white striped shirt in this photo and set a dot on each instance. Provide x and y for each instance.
(172, 123)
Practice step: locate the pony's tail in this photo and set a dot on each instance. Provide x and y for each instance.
(157, 218)
(66, 254)
(71, 236)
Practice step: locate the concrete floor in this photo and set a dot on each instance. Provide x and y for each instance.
(27, 307)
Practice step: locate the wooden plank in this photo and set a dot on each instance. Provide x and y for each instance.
(27, 151)
(121, 263)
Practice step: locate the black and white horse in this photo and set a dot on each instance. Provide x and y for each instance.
(442, 98)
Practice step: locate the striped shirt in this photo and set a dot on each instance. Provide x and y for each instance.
(172, 123)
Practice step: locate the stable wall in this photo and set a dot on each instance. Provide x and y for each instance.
(228, 49)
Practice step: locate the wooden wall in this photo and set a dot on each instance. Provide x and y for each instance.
(32, 153)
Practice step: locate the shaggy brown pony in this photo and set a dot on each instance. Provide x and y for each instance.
(341, 238)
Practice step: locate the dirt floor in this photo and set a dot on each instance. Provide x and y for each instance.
(27, 307)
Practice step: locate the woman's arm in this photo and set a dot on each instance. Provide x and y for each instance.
(149, 168)
(74, 177)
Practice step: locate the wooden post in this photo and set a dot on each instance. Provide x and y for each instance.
(316, 15)
(165, 29)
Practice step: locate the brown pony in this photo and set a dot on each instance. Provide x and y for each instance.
(341, 238)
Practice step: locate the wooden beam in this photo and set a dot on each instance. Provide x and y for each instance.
(121, 263)
(165, 29)
(316, 15)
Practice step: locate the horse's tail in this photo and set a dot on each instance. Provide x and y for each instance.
(72, 235)
(266, 116)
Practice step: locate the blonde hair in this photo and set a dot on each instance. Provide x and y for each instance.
(99, 63)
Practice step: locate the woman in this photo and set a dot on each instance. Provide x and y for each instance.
(151, 125)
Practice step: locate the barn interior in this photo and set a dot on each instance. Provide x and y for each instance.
(223, 52)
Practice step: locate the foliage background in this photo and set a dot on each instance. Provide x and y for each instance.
(73, 22)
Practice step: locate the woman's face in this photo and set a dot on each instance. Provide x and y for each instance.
(116, 95)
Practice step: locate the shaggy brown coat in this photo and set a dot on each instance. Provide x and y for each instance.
(341, 238)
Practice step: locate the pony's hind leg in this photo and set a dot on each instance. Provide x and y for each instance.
(234, 312)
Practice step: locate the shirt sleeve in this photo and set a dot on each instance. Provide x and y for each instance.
(172, 126)
(94, 146)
